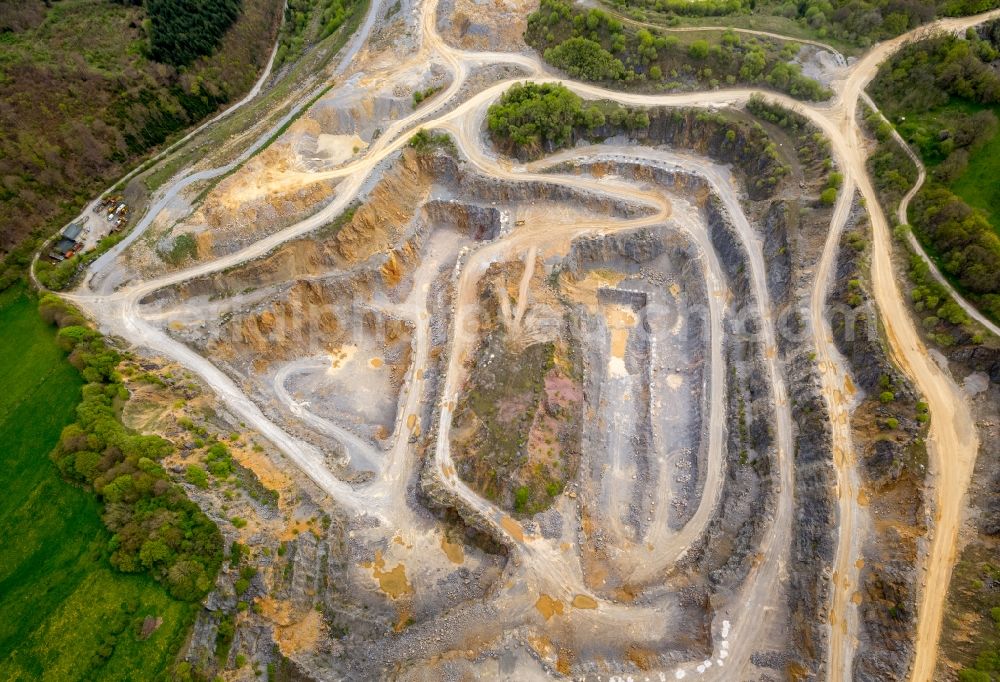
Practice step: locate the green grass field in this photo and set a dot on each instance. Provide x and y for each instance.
(60, 601)
(979, 185)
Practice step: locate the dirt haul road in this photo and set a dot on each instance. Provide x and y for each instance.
(903, 219)
(549, 565)
(951, 432)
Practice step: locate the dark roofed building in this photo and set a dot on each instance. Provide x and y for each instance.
(64, 246)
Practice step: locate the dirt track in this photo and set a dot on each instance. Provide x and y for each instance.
(551, 569)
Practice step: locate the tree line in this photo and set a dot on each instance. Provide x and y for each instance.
(155, 528)
(530, 118)
(942, 94)
(858, 22)
(594, 45)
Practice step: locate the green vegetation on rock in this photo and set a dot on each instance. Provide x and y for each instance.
(534, 117)
(425, 143)
(596, 46)
(184, 246)
(971, 625)
(309, 20)
(530, 119)
(518, 423)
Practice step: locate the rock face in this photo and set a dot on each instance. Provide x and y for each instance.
(977, 358)
(777, 254)
(636, 247)
(748, 495)
(740, 144)
(889, 578)
(813, 526)
(330, 571)
(479, 222)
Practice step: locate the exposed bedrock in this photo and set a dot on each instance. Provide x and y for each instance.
(747, 499)
(626, 250)
(977, 358)
(814, 519)
(659, 365)
(814, 524)
(892, 463)
(725, 552)
(477, 222)
(431, 489)
(814, 527)
(709, 134)
(386, 214)
(484, 188)
(777, 254)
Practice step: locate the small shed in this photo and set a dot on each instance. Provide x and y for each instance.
(73, 231)
(64, 246)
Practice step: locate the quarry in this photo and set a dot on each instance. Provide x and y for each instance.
(576, 416)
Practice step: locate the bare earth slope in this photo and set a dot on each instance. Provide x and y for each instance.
(625, 491)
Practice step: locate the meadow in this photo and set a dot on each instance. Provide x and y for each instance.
(979, 186)
(65, 613)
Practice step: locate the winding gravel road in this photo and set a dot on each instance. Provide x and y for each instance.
(735, 625)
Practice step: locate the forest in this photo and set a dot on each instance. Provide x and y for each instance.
(83, 99)
(180, 31)
(943, 95)
(594, 45)
(858, 23)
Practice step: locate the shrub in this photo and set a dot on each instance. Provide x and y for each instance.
(698, 49)
(218, 460)
(425, 143)
(584, 58)
(196, 476)
(521, 497)
(420, 95)
(155, 528)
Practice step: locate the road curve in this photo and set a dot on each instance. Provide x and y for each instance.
(361, 455)
(744, 31)
(254, 91)
(902, 217)
(952, 430)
